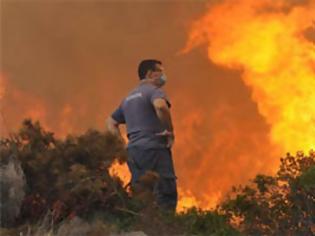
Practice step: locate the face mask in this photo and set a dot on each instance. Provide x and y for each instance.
(162, 79)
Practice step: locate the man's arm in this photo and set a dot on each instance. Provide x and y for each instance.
(113, 122)
(113, 127)
(163, 113)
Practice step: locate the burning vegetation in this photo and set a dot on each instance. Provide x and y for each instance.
(69, 180)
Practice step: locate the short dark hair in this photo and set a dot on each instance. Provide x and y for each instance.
(145, 66)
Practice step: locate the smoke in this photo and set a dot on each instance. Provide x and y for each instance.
(309, 33)
(280, 6)
(69, 64)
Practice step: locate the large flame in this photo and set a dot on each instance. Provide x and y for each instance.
(266, 40)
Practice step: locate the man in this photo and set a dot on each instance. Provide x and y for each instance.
(146, 113)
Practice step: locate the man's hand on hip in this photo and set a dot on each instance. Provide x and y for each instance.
(170, 137)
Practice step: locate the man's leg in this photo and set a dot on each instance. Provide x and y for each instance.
(140, 162)
(166, 193)
(134, 170)
(160, 161)
(166, 188)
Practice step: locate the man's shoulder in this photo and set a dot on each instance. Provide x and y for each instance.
(138, 92)
(147, 87)
(145, 90)
(150, 88)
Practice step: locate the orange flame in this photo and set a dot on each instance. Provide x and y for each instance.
(121, 171)
(31, 106)
(186, 198)
(266, 40)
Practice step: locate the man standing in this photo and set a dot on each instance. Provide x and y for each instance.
(146, 113)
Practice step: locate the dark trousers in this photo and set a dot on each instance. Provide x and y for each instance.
(159, 160)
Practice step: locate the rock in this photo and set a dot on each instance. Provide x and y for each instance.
(75, 227)
(12, 191)
(79, 227)
(135, 233)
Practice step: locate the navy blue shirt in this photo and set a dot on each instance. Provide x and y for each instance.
(138, 113)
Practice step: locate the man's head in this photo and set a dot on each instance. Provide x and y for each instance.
(152, 71)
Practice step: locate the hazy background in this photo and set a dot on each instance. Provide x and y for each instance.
(69, 64)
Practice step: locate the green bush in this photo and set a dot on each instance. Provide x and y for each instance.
(277, 205)
(198, 222)
(68, 177)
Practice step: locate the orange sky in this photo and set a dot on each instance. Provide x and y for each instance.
(70, 63)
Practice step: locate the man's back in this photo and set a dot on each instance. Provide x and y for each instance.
(142, 122)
